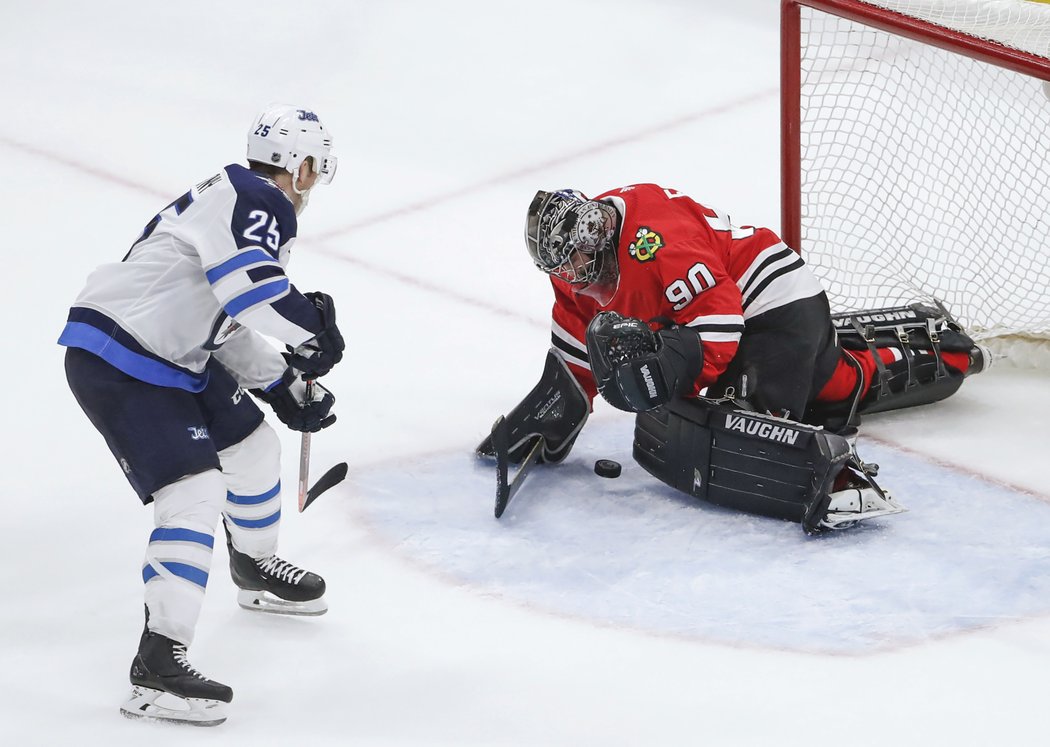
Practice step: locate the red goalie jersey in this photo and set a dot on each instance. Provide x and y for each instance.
(682, 262)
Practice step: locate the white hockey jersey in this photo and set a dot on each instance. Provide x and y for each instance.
(206, 277)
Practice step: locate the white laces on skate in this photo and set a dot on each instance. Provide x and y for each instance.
(178, 652)
(282, 569)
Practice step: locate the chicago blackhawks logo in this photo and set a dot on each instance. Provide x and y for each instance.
(646, 243)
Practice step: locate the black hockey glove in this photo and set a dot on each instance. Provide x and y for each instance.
(317, 356)
(288, 400)
(636, 369)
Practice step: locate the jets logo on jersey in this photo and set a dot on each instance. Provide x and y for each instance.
(227, 331)
(198, 432)
(222, 331)
(647, 242)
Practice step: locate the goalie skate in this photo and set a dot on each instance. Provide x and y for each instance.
(854, 504)
(157, 705)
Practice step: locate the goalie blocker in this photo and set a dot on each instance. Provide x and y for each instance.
(556, 409)
(759, 463)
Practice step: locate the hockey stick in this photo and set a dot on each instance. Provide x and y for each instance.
(505, 489)
(304, 454)
(328, 480)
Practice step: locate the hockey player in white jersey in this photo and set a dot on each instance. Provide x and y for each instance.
(161, 348)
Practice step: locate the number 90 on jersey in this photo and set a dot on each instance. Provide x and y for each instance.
(683, 291)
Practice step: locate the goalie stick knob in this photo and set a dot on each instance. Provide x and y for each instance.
(607, 468)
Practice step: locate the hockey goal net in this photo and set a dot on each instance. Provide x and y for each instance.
(916, 158)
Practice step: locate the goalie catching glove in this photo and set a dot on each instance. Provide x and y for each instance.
(637, 369)
(289, 401)
(318, 355)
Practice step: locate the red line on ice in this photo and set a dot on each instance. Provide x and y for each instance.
(956, 467)
(640, 135)
(430, 202)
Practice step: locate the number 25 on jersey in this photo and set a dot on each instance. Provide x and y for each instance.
(273, 236)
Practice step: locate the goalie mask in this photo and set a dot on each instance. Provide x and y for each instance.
(285, 136)
(574, 239)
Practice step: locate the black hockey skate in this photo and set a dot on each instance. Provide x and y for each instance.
(166, 687)
(274, 585)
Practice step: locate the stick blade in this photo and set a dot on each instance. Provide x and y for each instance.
(505, 487)
(328, 480)
(500, 446)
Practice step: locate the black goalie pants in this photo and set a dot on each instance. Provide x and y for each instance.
(785, 357)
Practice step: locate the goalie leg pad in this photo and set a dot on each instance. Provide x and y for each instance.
(920, 336)
(555, 409)
(760, 464)
(744, 460)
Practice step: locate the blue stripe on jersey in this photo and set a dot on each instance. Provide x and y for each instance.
(112, 328)
(176, 534)
(257, 523)
(255, 296)
(182, 570)
(252, 500)
(134, 364)
(243, 259)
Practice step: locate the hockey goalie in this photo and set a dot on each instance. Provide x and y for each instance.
(747, 390)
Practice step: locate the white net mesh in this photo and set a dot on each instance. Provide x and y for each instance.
(1020, 24)
(926, 173)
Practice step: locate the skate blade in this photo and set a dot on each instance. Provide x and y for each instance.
(853, 505)
(847, 520)
(264, 601)
(173, 709)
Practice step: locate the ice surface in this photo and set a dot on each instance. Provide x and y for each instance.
(631, 552)
(598, 612)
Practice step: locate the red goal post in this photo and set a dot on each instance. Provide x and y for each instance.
(916, 155)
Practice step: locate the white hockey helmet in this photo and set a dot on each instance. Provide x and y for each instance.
(283, 135)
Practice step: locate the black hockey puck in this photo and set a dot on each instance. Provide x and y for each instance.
(607, 468)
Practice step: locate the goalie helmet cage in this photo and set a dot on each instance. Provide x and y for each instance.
(916, 158)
